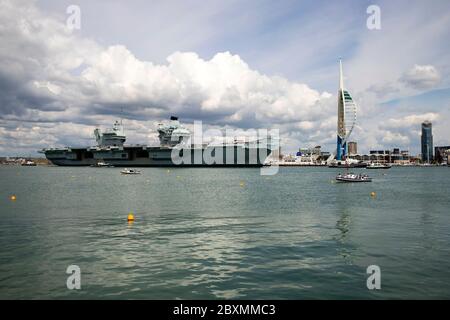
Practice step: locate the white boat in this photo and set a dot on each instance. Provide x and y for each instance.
(351, 177)
(130, 171)
(29, 163)
(347, 163)
(102, 164)
(377, 165)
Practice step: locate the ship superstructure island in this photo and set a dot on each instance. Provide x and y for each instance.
(174, 138)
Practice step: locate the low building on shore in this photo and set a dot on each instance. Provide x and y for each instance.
(441, 154)
(395, 156)
(352, 148)
(21, 160)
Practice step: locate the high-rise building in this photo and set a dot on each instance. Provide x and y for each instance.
(427, 142)
(346, 117)
(352, 148)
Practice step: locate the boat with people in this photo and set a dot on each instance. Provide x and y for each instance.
(130, 171)
(351, 177)
(378, 165)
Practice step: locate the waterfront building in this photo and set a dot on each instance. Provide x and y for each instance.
(309, 151)
(394, 156)
(352, 148)
(427, 142)
(324, 155)
(441, 154)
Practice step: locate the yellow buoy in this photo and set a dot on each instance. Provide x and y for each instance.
(242, 183)
(130, 217)
(13, 198)
(373, 194)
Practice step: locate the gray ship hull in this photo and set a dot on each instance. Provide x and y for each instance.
(142, 156)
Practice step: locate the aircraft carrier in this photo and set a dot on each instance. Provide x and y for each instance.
(175, 149)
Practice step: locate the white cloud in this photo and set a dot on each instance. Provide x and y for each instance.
(224, 85)
(395, 138)
(421, 77)
(410, 120)
(53, 79)
(50, 74)
(305, 125)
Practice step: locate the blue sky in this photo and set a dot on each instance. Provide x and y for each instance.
(242, 64)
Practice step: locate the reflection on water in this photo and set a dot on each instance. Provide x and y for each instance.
(343, 225)
(198, 233)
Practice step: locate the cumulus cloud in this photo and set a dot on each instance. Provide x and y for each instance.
(409, 121)
(57, 85)
(395, 138)
(421, 77)
(401, 131)
(50, 74)
(223, 88)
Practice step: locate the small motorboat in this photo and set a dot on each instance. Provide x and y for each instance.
(130, 171)
(351, 177)
(377, 165)
(28, 163)
(102, 164)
